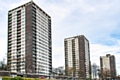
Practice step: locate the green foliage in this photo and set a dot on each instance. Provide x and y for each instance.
(88, 79)
(29, 79)
(20, 78)
(37, 79)
(6, 78)
(16, 78)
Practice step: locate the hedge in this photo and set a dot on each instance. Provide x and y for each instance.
(20, 78)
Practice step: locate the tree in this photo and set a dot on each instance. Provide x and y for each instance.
(54, 72)
(105, 73)
(3, 66)
(94, 70)
(69, 71)
(58, 72)
(99, 74)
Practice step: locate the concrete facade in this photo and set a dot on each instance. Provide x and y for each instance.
(77, 57)
(108, 66)
(29, 40)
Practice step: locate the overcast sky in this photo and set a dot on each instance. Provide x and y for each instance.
(98, 20)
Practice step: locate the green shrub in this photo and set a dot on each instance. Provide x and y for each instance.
(37, 79)
(29, 78)
(21, 78)
(6, 78)
(18, 78)
(88, 79)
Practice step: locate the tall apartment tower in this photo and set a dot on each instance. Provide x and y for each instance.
(108, 66)
(77, 57)
(29, 40)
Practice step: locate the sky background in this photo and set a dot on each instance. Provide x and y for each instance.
(98, 20)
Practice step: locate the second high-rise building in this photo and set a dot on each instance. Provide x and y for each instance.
(29, 40)
(108, 67)
(77, 57)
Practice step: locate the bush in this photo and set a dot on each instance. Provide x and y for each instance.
(6, 78)
(21, 78)
(29, 78)
(89, 79)
(16, 78)
(37, 79)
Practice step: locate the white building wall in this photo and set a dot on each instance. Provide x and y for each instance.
(42, 43)
(77, 57)
(23, 40)
(14, 42)
(106, 63)
(70, 59)
(87, 58)
(14, 52)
